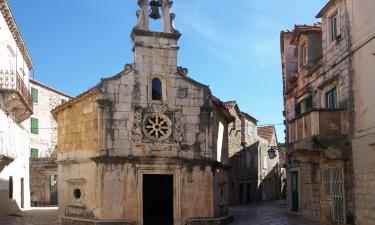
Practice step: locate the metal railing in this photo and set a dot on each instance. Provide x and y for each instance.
(11, 80)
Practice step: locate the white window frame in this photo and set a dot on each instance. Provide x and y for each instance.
(334, 26)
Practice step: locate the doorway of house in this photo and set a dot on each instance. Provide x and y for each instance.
(295, 195)
(248, 195)
(53, 190)
(22, 193)
(240, 196)
(157, 199)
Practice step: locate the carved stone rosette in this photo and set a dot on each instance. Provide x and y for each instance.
(157, 125)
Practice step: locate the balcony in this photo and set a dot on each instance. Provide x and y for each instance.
(16, 96)
(5, 160)
(320, 130)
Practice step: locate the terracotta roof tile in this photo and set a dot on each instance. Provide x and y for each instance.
(266, 132)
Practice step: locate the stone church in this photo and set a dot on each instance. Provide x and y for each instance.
(147, 146)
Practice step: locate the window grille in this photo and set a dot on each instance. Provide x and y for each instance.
(333, 190)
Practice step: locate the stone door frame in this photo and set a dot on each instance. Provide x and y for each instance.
(160, 170)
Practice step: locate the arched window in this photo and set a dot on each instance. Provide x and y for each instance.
(156, 89)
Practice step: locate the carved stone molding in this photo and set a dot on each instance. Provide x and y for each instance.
(182, 93)
(137, 127)
(78, 181)
(178, 127)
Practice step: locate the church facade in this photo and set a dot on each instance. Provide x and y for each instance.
(147, 146)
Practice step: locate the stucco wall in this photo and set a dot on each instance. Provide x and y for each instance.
(363, 45)
(46, 139)
(13, 143)
(13, 136)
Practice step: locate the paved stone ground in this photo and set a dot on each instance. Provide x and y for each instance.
(266, 213)
(260, 213)
(33, 216)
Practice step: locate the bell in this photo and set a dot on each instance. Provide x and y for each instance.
(154, 11)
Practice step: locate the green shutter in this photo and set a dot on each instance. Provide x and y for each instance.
(298, 109)
(34, 94)
(309, 103)
(34, 153)
(34, 126)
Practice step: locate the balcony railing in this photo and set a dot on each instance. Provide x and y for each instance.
(318, 122)
(11, 81)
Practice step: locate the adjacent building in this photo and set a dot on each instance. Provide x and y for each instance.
(362, 67)
(327, 85)
(316, 98)
(43, 141)
(254, 158)
(15, 108)
(146, 146)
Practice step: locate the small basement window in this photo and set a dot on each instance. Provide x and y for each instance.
(77, 193)
(156, 89)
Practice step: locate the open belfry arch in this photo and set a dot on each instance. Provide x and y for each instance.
(147, 146)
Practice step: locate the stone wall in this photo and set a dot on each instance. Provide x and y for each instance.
(41, 170)
(78, 129)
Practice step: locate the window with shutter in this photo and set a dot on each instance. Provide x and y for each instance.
(34, 126)
(34, 153)
(34, 94)
(334, 26)
(331, 99)
(309, 103)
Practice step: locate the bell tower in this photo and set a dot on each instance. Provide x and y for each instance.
(155, 52)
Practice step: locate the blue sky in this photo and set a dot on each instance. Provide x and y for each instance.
(232, 46)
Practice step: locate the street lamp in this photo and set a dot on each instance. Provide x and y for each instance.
(272, 152)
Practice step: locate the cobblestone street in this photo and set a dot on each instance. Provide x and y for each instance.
(33, 216)
(266, 213)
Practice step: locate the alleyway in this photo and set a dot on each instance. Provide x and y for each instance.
(266, 213)
(34, 216)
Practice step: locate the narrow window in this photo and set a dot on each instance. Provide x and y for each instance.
(10, 187)
(34, 153)
(298, 109)
(309, 103)
(303, 54)
(331, 99)
(304, 106)
(156, 89)
(34, 94)
(34, 126)
(334, 26)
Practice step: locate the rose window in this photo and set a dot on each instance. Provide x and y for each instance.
(157, 127)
